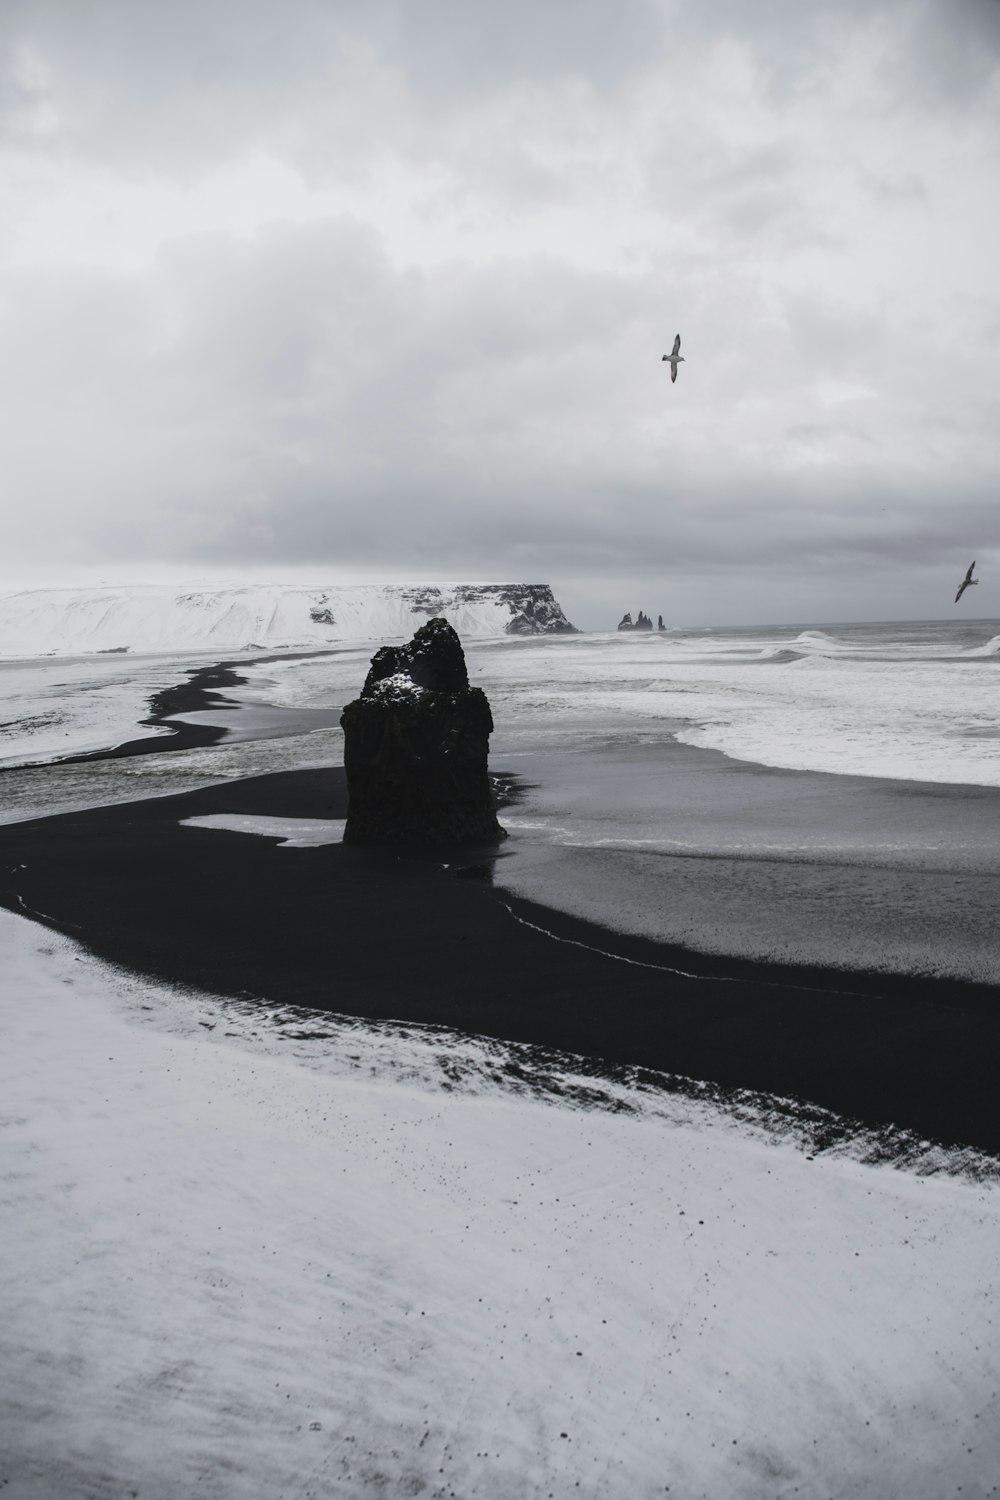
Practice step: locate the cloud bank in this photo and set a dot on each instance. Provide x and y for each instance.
(380, 291)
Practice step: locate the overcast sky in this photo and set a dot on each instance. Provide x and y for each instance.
(378, 289)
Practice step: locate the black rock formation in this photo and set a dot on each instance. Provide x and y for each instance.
(415, 747)
(659, 623)
(642, 622)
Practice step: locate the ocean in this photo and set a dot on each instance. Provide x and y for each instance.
(821, 793)
(913, 700)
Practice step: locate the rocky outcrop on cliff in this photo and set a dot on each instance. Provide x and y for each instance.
(533, 608)
(535, 611)
(415, 748)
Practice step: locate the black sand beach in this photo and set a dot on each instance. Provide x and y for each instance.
(428, 939)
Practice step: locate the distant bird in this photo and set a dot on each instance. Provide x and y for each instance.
(675, 357)
(968, 582)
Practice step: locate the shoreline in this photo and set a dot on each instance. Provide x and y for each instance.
(425, 937)
(178, 707)
(198, 693)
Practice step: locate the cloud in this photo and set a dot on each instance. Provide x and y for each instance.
(297, 395)
(201, 80)
(386, 286)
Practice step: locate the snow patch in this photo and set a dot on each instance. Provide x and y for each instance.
(292, 833)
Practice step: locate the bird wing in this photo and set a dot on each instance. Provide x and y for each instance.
(961, 589)
(673, 370)
(968, 576)
(677, 345)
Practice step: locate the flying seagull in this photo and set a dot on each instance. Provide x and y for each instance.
(968, 582)
(675, 358)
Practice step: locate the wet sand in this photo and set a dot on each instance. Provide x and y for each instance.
(430, 939)
(685, 845)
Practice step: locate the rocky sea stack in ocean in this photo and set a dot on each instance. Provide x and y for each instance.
(641, 622)
(415, 747)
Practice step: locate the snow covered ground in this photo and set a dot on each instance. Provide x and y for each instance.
(232, 1267)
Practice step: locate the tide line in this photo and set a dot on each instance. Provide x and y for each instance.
(638, 963)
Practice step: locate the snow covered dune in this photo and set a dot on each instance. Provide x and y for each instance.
(229, 617)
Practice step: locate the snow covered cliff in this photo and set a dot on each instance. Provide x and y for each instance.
(230, 617)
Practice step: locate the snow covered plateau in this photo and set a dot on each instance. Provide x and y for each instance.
(231, 617)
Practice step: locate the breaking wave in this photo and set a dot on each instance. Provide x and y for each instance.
(991, 648)
(781, 653)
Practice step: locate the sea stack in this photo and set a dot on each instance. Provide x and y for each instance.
(415, 748)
